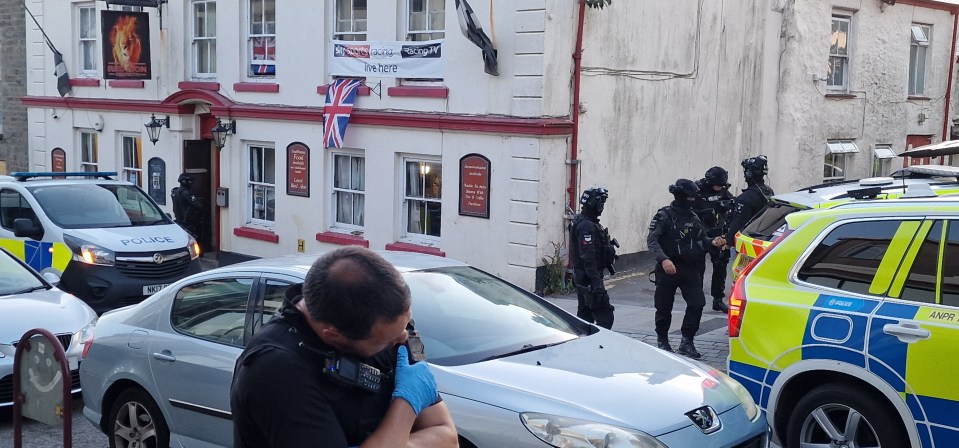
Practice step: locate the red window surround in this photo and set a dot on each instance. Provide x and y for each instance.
(257, 234)
(264, 87)
(199, 85)
(343, 239)
(126, 83)
(419, 91)
(84, 82)
(409, 247)
(361, 90)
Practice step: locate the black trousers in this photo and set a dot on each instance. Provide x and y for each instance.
(720, 260)
(601, 311)
(689, 280)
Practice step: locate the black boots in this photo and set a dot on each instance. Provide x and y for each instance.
(718, 305)
(686, 348)
(662, 342)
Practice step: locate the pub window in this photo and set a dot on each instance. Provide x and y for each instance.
(132, 159)
(88, 151)
(262, 184)
(423, 194)
(349, 190)
(350, 20)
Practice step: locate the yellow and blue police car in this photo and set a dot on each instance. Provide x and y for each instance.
(760, 232)
(846, 329)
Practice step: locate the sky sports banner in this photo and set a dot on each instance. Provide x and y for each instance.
(387, 59)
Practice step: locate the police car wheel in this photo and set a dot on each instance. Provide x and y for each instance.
(841, 415)
(136, 422)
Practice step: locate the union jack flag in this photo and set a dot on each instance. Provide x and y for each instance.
(336, 111)
(264, 53)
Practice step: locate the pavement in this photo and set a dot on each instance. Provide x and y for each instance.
(632, 294)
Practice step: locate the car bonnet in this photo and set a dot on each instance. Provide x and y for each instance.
(52, 310)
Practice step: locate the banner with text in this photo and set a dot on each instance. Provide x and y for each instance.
(387, 59)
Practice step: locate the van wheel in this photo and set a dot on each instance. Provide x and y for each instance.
(840, 415)
(136, 422)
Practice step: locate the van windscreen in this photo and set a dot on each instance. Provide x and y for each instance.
(88, 206)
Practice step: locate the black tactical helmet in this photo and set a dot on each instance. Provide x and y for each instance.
(185, 178)
(684, 188)
(755, 168)
(593, 197)
(716, 176)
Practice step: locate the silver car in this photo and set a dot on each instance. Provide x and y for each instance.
(514, 370)
(27, 301)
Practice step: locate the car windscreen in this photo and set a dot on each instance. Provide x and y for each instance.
(88, 206)
(15, 278)
(465, 315)
(770, 221)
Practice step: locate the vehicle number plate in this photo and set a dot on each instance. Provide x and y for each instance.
(153, 289)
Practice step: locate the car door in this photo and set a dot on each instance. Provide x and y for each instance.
(193, 355)
(914, 337)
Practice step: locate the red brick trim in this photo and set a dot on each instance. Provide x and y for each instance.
(342, 238)
(410, 247)
(419, 91)
(126, 83)
(84, 82)
(108, 104)
(257, 234)
(262, 87)
(199, 85)
(360, 91)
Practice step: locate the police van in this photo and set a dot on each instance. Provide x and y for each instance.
(106, 239)
(845, 330)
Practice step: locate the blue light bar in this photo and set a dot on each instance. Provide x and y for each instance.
(22, 176)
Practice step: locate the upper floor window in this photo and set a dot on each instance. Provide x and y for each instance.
(350, 18)
(87, 39)
(88, 151)
(204, 38)
(422, 201)
(262, 184)
(129, 8)
(917, 58)
(262, 39)
(349, 190)
(132, 159)
(426, 20)
(834, 168)
(838, 76)
(882, 160)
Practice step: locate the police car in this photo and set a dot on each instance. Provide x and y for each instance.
(107, 240)
(845, 329)
(767, 225)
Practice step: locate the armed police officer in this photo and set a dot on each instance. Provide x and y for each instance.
(187, 208)
(678, 240)
(713, 206)
(753, 198)
(591, 251)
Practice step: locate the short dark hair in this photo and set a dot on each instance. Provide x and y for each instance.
(351, 288)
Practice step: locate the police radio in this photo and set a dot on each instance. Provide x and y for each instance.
(350, 372)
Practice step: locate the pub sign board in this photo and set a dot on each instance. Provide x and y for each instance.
(126, 44)
(474, 186)
(298, 170)
(58, 160)
(156, 184)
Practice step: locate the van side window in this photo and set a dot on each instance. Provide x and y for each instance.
(214, 310)
(12, 206)
(920, 285)
(950, 266)
(849, 257)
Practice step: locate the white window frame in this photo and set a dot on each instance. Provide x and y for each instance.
(427, 32)
(919, 42)
(267, 30)
(87, 64)
(260, 181)
(358, 25)
(89, 149)
(839, 57)
(882, 159)
(131, 172)
(351, 190)
(129, 8)
(836, 160)
(408, 200)
(203, 69)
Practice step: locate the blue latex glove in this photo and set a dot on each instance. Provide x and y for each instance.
(414, 383)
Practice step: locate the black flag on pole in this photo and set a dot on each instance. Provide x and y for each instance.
(474, 32)
(63, 79)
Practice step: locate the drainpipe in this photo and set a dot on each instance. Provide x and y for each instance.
(574, 140)
(952, 63)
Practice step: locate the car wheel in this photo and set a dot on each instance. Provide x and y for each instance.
(136, 422)
(840, 415)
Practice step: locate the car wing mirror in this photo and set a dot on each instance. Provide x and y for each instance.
(25, 228)
(51, 278)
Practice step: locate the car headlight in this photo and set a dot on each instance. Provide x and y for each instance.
(752, 411)
(85, 335)
(89, 253)
(194, 248)
(575, 433)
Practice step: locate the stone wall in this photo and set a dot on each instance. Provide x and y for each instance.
(13, 144)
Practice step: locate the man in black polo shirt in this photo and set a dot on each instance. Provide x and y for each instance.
(327, 373)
